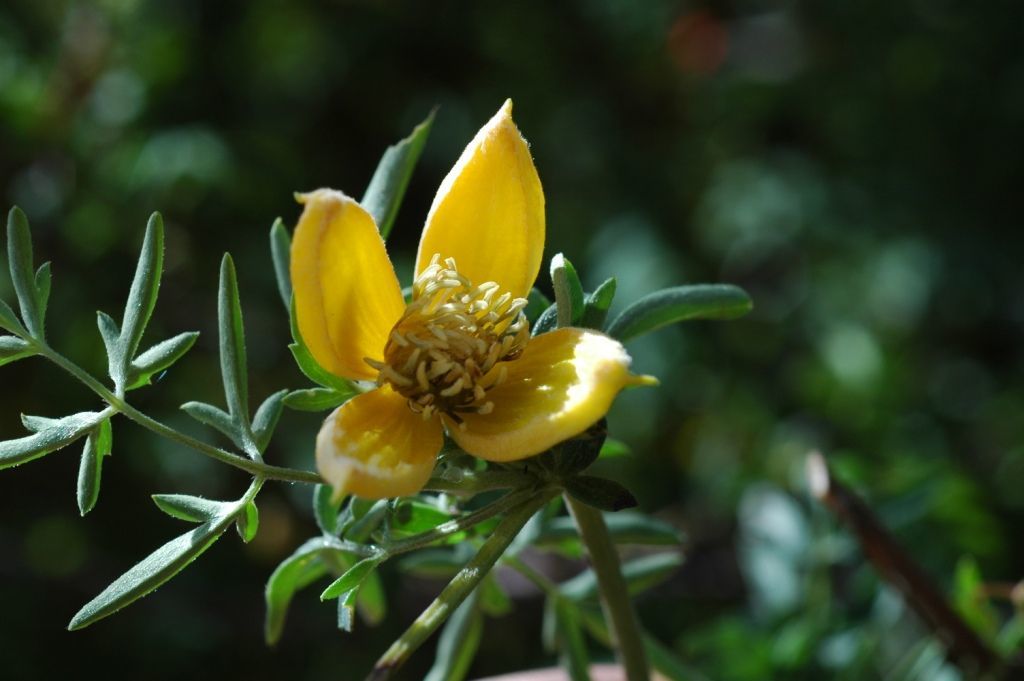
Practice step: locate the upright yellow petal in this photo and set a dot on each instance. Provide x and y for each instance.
(347, 297)
(563, 383)
(489, 211)
(375, 447)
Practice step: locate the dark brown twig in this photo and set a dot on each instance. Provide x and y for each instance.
(963, 646)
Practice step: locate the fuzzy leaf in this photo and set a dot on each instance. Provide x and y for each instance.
(142, 295)
(387, 186)
(98, 445)
(299, 570)
(19, 257)
(547, 321)
(151, 572)
(109, 332)
(266, 418)
(352, 578)
(317, 399)
(232, 344)
(214, 417)
(43, 281)
(347, 610)
(52, 436)
(13, 348)
(682, 303)
(192, 509)
(158, 358)
(280, 254)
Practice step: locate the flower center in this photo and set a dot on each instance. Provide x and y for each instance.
(445, 353)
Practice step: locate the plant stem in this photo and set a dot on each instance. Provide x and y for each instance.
(253, 467)
(618, 608)
(460, 587)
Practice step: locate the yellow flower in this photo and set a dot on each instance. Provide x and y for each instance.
(459, 357)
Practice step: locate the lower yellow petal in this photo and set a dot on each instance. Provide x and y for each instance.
(375, 447)
(347, 297)
(563, 383)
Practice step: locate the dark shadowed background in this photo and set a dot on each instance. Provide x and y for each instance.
(855, 166)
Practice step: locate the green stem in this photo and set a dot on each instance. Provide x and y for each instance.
(253, 467)
(461, 586)
(615, 602)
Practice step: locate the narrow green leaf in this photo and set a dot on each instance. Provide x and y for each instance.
(387, 186)
(36, 424)
(143, 293)
(19, 256)
(150, 573)
(570, 641)
(9, 320)
(13, 348)
(625, 527)
(601, 493)
(265, 421)
(547, 321)
(248, 522)
(110, 332)
(640, 574)
(347, 610)
(210, 415)
(158, 358)
(459, 641)
(325, 508)
(192, 509)
(232, 344)
(595, 309)
(43, 281)
(299, 570)
(536, 304)
(280, 254)
(55, 435)
(352, 578)
(568, 291)
(308, 365)
(98, 445)
(317, 399)
(658, 309)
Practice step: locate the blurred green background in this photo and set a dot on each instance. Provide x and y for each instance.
(855, 166)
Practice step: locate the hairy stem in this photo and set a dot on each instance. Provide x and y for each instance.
(618, 608)
(460, 587)
(119, 404)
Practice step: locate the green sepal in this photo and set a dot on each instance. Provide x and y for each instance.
(595, 309)
(53, 434)
(280, 254)
(352, 578)
(192, 509)
(568, 291)
(682, 303)
(98, 445)
(19, 259)
(151, 572)
(601, 493)
(387, 187)
(158, 358)
(247, 522)
(317, 399)
(459, 641)
(13, 348)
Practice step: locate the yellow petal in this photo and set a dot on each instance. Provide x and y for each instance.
(563, 383)
(347, 297)
(489, 211)
(375, 447)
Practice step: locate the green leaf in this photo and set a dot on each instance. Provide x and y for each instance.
(309, 366)
(248, 522)
(347, 610)
(547, 321)
(640, 574)
(280, 253)
(97, 446)
(299, 570)
(459, 641)
(265, 421)
(570, 641)
(658, 309)
(568, 291)
(53, 435)
(151, 572)
(9, 320)
(142, 295)
(595, 310)
(158, 358)
(109, 332)
(412, 516)
(36, 424)
(325, 509)
(43, 281)
(536, 304)
(317, 399)
(387, 186)
(192, 509)
(19, 256)
(214, 417)
(613, 448)
(352, 578)
(601, 493)
(232, 344)
(13, 348)
(970, 600)
(625, 527)
(371, 600)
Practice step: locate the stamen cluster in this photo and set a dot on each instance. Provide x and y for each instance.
(447, 350)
